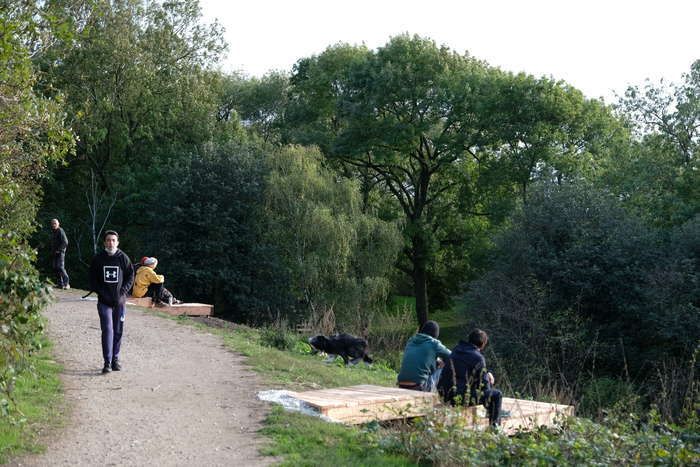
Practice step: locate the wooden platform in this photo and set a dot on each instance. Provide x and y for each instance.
(189, 309)
(365, 403)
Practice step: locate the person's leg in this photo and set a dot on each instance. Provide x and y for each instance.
(118, 315)
(431, 384)
(155, 291)
(62, 270)
(492, 400)
(58, 261)
(106, 326)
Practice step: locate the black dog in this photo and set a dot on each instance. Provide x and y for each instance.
(351, 348)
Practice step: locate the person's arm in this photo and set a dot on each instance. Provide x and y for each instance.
(92, 275)
(128, 280)
(64, 241)
(442, 351)
(154, 278)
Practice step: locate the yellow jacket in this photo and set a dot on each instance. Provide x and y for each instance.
(145, 276)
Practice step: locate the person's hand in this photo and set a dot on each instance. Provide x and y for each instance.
(440, 363)
(489, 378)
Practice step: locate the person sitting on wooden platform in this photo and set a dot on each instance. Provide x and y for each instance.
(421, 365)
(148, 283)
(465, 379)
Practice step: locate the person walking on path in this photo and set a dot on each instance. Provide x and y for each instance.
(111, 278)
(59, 243)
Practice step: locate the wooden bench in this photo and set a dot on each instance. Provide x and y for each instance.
(189, 309)
(365, 403)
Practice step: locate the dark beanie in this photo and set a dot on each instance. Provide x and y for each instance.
(430, 328)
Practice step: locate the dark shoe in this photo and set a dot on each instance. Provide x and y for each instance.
(106, 369)
(116, 366)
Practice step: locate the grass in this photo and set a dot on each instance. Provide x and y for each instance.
(39, 401)
(298, 439)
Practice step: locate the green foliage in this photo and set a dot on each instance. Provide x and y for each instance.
(658, 176)
(282, 338)
(578, 283)
(307, 441)
(140, 97)
(337, 257)
(446, 137)
(37, 394)
(444, 439)
(215, 204)
(32, 136)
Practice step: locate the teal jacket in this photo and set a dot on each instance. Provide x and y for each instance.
(419, 358)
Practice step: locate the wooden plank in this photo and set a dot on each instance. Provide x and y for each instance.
(189, 309)
(364, 403)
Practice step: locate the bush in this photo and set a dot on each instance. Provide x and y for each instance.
(446, 439)
(279, 336)
(23, 296)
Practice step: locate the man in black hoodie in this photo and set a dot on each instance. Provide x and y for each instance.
(466, 380)
(111, 278)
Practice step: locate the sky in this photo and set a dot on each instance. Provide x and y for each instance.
(600, 47)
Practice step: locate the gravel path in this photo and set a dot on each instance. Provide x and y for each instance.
(181, 399)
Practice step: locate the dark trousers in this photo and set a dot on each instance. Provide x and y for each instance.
(158, 293)
(58, 264)
(492, 400)
(112, 326)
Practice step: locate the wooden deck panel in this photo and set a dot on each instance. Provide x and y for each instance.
(364, 403)
(189, 309)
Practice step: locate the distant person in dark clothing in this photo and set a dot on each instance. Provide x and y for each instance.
(111, 278)
(422, 364)
(465, 379)
(59, 243)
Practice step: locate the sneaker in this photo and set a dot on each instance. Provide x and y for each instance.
(116, 366)
(66, 287)
(106, 369)
(177, 302)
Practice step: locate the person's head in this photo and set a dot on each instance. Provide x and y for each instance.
(54, 224)
(143, 259)
(430, 328)
(111, 241)
(150, 262)
(478, 338)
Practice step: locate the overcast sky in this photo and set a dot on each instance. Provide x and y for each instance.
(598, 46)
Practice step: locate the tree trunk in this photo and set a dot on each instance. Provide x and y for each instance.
(420, 277)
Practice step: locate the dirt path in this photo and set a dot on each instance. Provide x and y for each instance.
(181, 399)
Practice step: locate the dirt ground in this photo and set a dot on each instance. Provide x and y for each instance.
(181, 399)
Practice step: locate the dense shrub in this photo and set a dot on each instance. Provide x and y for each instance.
(445, 438)
(579, 288)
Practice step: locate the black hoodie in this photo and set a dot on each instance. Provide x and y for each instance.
(111, 277)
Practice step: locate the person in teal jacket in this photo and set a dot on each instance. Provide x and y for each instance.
(421, 367)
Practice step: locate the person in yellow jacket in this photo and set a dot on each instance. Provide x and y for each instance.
(148, 283)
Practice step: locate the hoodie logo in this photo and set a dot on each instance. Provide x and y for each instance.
(111, 274)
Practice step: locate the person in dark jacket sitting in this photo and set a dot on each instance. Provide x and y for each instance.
(423, 359)
(465, 379)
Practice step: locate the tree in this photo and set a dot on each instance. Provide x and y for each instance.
(658, 176)
(140, 96)
(434, 130)
(258, 102)
(209, 234)
(577, 282)
(32, 136)
(337, 257)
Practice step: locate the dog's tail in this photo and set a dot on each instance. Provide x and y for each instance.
(367, 359)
